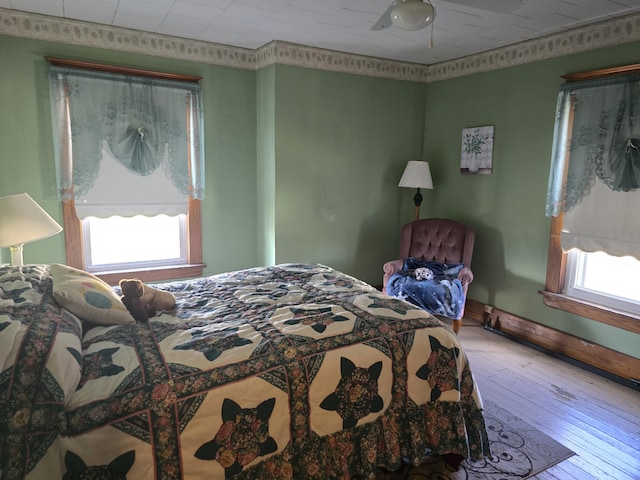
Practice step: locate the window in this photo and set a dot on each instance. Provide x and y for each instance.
(116, 243)
(554, 293)
(599, 278)
(595, 143)
(130, 170)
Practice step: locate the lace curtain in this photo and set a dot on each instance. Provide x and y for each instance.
(596, 135)
(146, 124)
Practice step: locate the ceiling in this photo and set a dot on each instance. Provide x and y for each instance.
(342, 25)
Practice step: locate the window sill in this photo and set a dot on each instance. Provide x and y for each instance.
(158, 274)
(623, 320)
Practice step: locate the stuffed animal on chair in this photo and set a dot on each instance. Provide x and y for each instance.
(144, 301)
(422, 273)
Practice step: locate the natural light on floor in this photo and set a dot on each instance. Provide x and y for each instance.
(138, 239)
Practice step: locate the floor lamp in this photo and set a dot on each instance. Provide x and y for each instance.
(416, 175)
(22, 221)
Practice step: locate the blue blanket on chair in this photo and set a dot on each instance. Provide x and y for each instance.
(441, 295)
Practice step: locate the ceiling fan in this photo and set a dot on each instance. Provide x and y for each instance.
(417, 14)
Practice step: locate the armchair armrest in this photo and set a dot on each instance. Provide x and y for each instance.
(389, 269)
(392, 267)
(465, 276)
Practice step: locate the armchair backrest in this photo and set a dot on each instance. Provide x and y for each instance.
(438, 240)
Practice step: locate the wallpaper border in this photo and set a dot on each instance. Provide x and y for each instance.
(42, 27)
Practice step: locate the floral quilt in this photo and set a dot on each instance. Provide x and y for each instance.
(295, 371)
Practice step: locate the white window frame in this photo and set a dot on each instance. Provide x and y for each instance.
(574, 286)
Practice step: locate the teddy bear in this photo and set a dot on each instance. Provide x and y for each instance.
(143, 301)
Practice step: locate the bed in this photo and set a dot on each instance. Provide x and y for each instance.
(295, 371)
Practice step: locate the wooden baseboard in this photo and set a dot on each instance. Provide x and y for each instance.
(597, 356)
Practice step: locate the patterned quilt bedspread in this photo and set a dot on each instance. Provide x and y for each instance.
(295, 371)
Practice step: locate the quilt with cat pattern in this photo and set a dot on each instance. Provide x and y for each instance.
(295, 371)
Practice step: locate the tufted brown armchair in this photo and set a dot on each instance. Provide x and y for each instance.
(438, 240)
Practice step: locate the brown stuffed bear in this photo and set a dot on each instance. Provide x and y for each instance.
(144, 301)
(132, 291)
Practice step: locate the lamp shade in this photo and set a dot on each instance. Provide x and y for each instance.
(416, 175)
(22, 220)
(412, 14)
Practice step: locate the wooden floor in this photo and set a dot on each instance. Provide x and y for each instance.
(595, 417)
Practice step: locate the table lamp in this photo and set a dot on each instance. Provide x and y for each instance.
(22, 221)
(416, 175)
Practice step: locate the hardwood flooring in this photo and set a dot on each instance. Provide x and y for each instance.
(595, 417)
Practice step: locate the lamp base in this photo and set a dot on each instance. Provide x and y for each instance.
(16, 255)
(417, 199)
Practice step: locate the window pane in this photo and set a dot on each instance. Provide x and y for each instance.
(613, 275)
(116, 241)
(604, 280)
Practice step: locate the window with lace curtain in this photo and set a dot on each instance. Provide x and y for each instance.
(593, 198)
(130, 169)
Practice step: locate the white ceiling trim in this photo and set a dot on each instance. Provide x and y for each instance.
(55, 29)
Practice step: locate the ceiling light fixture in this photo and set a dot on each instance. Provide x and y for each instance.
(413, 14)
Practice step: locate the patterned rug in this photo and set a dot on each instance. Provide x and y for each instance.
(519, 451)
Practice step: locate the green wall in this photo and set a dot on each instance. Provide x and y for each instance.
(507, 207)
(303, 165)
(341, 144)
(266, 168)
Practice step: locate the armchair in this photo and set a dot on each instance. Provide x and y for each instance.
(436, 240)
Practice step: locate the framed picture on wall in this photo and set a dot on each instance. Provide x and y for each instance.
(477, 150)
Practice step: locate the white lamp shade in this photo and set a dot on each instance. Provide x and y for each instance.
(412, 14)
(416, 175)
(22, 220)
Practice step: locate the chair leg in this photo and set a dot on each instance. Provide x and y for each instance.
(456, 325)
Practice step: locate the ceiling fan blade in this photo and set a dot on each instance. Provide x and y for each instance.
(501, 6)
(385, 19)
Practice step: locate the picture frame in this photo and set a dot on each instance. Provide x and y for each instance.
(477, 151)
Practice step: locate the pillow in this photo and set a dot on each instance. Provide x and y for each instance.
(88, 297)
